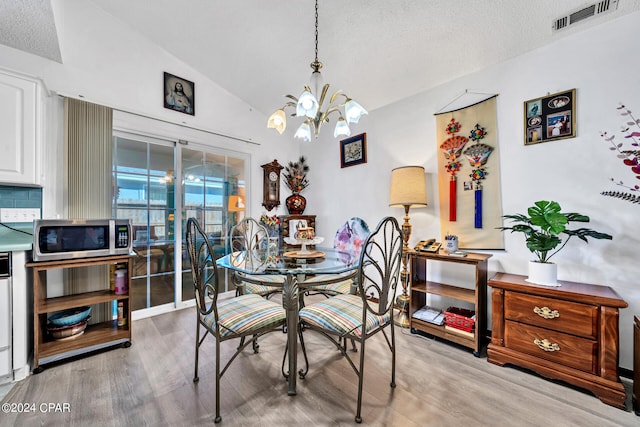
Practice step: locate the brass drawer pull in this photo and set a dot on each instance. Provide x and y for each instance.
(546, 312)
(546, 345)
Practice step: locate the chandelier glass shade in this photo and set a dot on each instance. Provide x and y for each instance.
(309, 105)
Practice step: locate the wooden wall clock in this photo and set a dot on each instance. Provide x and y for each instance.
(271, 185)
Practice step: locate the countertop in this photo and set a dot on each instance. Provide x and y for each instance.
(11, 240)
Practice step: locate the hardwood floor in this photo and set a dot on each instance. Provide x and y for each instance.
(150, 384)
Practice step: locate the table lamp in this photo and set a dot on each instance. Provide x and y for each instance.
(236, 204)
(408, 189)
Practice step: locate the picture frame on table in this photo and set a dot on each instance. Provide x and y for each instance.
(179, 94)
(550, 118)
(353, 151)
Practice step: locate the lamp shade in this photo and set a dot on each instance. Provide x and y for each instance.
(408, 187)
(236, 204)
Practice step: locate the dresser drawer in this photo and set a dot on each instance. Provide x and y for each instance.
(564, 316)
(564, 349)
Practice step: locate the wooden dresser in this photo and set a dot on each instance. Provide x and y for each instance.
(569, 333)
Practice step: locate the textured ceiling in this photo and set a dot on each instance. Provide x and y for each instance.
(377, 51)
(28, 25)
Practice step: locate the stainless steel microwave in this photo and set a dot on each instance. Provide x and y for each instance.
(56, 239)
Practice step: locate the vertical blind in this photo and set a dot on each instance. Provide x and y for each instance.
(88, 153)
(88, 156)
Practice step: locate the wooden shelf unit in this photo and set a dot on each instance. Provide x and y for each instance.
(95, 334)
(569, 332)
(476, 295)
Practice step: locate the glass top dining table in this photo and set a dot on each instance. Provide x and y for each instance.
(295, 267)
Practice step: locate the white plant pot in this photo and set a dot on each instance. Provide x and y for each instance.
(543, 273)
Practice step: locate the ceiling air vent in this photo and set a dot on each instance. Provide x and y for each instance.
(587, 12)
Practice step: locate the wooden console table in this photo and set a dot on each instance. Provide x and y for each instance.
(569, 333)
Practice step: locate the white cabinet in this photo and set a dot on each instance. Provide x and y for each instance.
(19, 129)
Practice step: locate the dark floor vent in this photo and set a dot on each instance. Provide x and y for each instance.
(588, 12)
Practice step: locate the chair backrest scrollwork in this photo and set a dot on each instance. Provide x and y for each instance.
(203, 267)
(252, 239)
(380, 265)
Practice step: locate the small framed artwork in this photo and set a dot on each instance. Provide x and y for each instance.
(179, 94)
(353, 151)
(549, 118)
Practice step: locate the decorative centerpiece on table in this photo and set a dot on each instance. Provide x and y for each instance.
(543, 228)
(295, 177)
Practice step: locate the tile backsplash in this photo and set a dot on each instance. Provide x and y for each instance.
(20, 197)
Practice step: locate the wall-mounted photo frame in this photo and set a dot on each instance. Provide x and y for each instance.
(179, 94)
(353, 151)
(550, 118)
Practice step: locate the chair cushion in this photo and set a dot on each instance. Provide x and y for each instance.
(245, 314)
(252, 288)
(341, 314)
(263, 288)
(318, 283)
(321, 278)
(343, 287)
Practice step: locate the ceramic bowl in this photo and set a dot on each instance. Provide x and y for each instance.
(61, 332)
(70, 317)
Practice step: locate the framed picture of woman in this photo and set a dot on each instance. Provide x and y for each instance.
(179, 94)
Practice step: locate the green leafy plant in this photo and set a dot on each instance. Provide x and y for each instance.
(545, 225)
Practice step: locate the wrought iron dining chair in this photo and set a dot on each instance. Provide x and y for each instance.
(245, 316)
(251, 236)
(361, 316)
(349, 238)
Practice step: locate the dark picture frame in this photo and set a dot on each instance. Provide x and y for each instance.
(353, 151)
(179, 94)
(550, 118)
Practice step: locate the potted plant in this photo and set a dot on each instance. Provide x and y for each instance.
(544, 229)
(295, 177)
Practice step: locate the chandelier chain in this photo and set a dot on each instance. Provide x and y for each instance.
(316, 31)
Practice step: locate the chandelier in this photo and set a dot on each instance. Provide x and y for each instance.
(309, 106)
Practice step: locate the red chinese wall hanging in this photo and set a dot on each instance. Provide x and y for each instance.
(468, 151)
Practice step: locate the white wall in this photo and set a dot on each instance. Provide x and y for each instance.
(602, 65)
(108, 63)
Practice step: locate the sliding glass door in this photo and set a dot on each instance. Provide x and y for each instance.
(158, 185)
(213, 192)
(144, 193)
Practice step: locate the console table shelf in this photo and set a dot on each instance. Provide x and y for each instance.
(475, 295)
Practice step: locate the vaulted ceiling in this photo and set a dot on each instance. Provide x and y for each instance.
(377, 51)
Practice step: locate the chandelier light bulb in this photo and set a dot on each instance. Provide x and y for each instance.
(342, 128)
(307, 105)
(278, 121)
(353, 111)
(304, 132)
